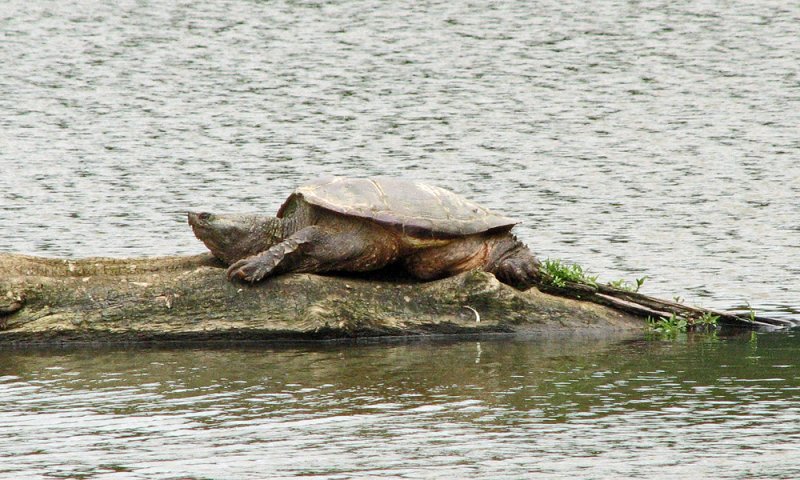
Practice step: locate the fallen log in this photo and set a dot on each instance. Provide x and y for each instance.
(188, 298)
(47, 300)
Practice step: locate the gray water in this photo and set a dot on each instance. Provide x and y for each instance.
(656, 139)
(699, 407)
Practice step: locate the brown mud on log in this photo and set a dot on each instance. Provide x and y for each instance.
(189, 299)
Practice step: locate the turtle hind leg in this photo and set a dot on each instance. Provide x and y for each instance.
(500, 254)
(451, 258)
(519, 272)
(514, 264)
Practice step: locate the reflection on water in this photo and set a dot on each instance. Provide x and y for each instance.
(501, 409)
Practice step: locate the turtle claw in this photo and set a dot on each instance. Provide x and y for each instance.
(237, 270)
(250, 269)
(255, 268)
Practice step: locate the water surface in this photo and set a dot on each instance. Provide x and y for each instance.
(642, 138)
(637, 138)
(698, 407)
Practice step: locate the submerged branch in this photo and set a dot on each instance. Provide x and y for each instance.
(645, 306)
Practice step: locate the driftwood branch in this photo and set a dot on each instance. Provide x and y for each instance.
(645, 306)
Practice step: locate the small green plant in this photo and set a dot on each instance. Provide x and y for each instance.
(706, 321)
(623, 284)
(669, 327)
(559, 273)
(751, 313)
(675, 324)
(620, 284)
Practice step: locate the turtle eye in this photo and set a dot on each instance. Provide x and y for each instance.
(204, 216)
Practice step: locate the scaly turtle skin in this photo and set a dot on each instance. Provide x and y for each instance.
(363, 224)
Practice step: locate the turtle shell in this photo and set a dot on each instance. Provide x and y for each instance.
(415, 208)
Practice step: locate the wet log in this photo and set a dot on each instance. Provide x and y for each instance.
(189, 299)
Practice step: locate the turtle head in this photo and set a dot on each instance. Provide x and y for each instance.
(232, 237)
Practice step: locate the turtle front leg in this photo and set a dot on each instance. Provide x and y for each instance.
(256, 267)
(350, 247)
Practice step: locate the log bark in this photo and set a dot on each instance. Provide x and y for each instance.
(92, 300)
(188, 298)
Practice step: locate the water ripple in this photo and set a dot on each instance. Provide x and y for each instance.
(524, 408)
(654, 138)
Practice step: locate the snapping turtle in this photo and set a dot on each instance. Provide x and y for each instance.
(363, 224)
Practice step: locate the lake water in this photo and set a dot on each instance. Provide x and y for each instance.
(698, 407)
(640, 138)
